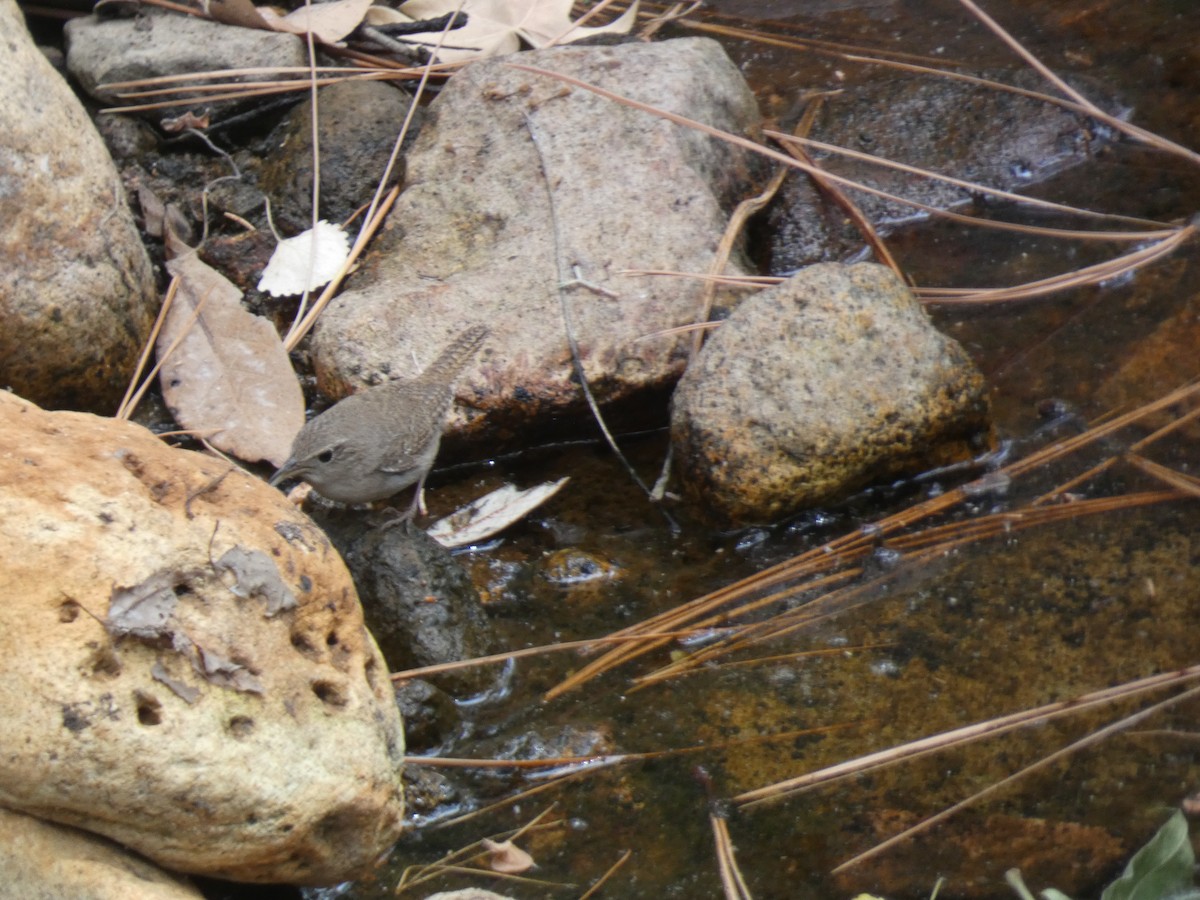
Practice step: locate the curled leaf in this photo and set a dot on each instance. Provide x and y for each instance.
(497, 27)
(507, 857)
(491, 513)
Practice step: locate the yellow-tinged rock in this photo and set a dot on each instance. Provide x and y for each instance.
(183, 662)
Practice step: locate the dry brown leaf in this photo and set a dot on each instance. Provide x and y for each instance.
(328, 22)
(228, 378)
(235, 12)
(506, 857)
(497, 27)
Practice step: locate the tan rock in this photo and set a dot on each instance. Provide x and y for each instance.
(233, 717)
(76, 289)
(44, 861)
(819, 386)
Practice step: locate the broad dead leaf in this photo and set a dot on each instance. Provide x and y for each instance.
(497, 27)
(491, 513)
(229, 378)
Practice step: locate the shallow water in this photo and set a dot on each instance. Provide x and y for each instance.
(990, 628)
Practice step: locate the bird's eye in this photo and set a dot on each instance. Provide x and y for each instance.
(325, 456)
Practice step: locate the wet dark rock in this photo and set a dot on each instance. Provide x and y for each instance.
(429, 791)
(420, 605)
(102, 51)
(515, 180)
(76, 291)
(358, 122)
(816, 387)
(430, 715)
(574, 566)
(967, 131)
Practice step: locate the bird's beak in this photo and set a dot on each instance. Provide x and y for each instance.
(284, 473)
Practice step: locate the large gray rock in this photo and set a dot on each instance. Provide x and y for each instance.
(105, 51)
(76, 291)
(516, 180)
(816, 387)
(183, 662)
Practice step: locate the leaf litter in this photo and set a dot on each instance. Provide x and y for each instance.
(225, 373)
(497, 27)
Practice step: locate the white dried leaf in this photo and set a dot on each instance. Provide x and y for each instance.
(305, 262)
(328, 22)
(491, 513)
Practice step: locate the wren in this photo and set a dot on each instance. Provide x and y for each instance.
(373, 444)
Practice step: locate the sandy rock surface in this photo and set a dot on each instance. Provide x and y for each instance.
(185, 667)
(44, 861)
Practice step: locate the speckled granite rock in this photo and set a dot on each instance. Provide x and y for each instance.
(816, 387)
(519, 183)
(77, 295)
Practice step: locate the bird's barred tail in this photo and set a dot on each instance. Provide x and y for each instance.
(457, 354)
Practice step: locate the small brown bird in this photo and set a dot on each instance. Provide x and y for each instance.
(377, 442)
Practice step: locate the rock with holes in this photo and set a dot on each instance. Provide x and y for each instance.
(185, 668)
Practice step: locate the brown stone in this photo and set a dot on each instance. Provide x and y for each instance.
(817, 387)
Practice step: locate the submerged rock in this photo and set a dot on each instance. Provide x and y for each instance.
(76, 290)
(968, 131)
(518, 185)
(816, 387)
(422, 606)
(186, 670)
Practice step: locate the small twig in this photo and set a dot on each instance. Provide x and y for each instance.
(612, 870)
(569, 329)
(212, 485)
